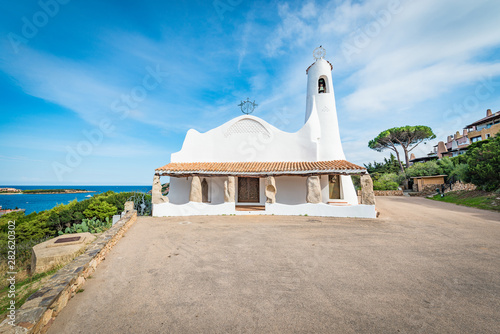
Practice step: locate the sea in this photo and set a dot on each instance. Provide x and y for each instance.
(36, 203)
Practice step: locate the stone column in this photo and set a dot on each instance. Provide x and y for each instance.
(367, 195)
(229, 189)
(156, 195)
(195, 195)
(270, 189)
(313, 189)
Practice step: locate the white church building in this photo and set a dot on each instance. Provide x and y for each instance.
(248, 166)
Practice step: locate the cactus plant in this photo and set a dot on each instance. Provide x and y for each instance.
(92, 225)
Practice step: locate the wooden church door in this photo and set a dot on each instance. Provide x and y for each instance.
(248, 190)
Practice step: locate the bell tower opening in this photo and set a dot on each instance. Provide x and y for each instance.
(322, 86)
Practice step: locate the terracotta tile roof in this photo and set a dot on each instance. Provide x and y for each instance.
(261, 168)
(331, 66)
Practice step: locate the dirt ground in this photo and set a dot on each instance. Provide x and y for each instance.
(422, 267)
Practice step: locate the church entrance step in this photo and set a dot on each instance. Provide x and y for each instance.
(339, 203)
(250, 208)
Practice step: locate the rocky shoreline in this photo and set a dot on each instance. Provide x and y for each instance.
(48, 192)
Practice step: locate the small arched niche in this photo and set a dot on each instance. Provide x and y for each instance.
(323, 85)
(204, 191)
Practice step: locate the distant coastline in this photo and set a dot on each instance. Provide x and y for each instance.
(45, 201)
(12, 191)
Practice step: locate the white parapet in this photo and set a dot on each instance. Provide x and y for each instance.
(192, 209)
(309, 209)
(321, 210)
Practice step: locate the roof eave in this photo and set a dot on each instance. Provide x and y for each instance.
(263, 173)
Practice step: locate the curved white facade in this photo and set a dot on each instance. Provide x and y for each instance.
(250, 139)
(247, 138)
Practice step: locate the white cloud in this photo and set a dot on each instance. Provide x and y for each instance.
(293, 30)
(309, 10)
(424, 51)
(427, 49)
(414, 86)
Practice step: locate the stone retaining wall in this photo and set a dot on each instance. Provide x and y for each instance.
(40, 309)
(430, 189)
(385, 192)
(458, 186)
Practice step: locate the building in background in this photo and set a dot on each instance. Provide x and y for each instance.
(484, 128)
(458, 143)
(427, 183)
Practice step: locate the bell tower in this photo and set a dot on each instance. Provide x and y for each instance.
(321, 101)
(321, 96)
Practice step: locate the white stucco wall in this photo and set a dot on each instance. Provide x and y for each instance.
(321, 210)
(216, 189)
(248, 138)
(291, 189)
(329, 144)
(192, 209)
(179, 190)
(325, 189)
(349, 192)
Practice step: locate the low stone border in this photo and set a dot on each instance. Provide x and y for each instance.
(40, 309)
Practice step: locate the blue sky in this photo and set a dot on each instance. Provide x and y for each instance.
(103, 92)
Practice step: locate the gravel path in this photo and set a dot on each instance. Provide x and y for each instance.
(422, 267)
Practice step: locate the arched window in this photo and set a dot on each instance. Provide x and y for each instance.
(204, 191)
(322, 86)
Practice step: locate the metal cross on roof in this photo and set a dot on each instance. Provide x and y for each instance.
(247, 107)
(319, 52)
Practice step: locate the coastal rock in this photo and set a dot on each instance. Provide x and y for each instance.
(229, 189)
(196, 192)
(367, 195)
(270, 189)
(313, 190)
(156, 196)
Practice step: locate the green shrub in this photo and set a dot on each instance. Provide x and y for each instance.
(23, 249)
(483, 159)
(428, 168)
(4, 220)
(447, 165)
(390, 165)
(33, 226)
(100, 209)
(459, 173)
(37, 227)
(356, 181)
(392, 177)
(389, 185)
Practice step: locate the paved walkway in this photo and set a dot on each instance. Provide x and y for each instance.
(422, 267)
